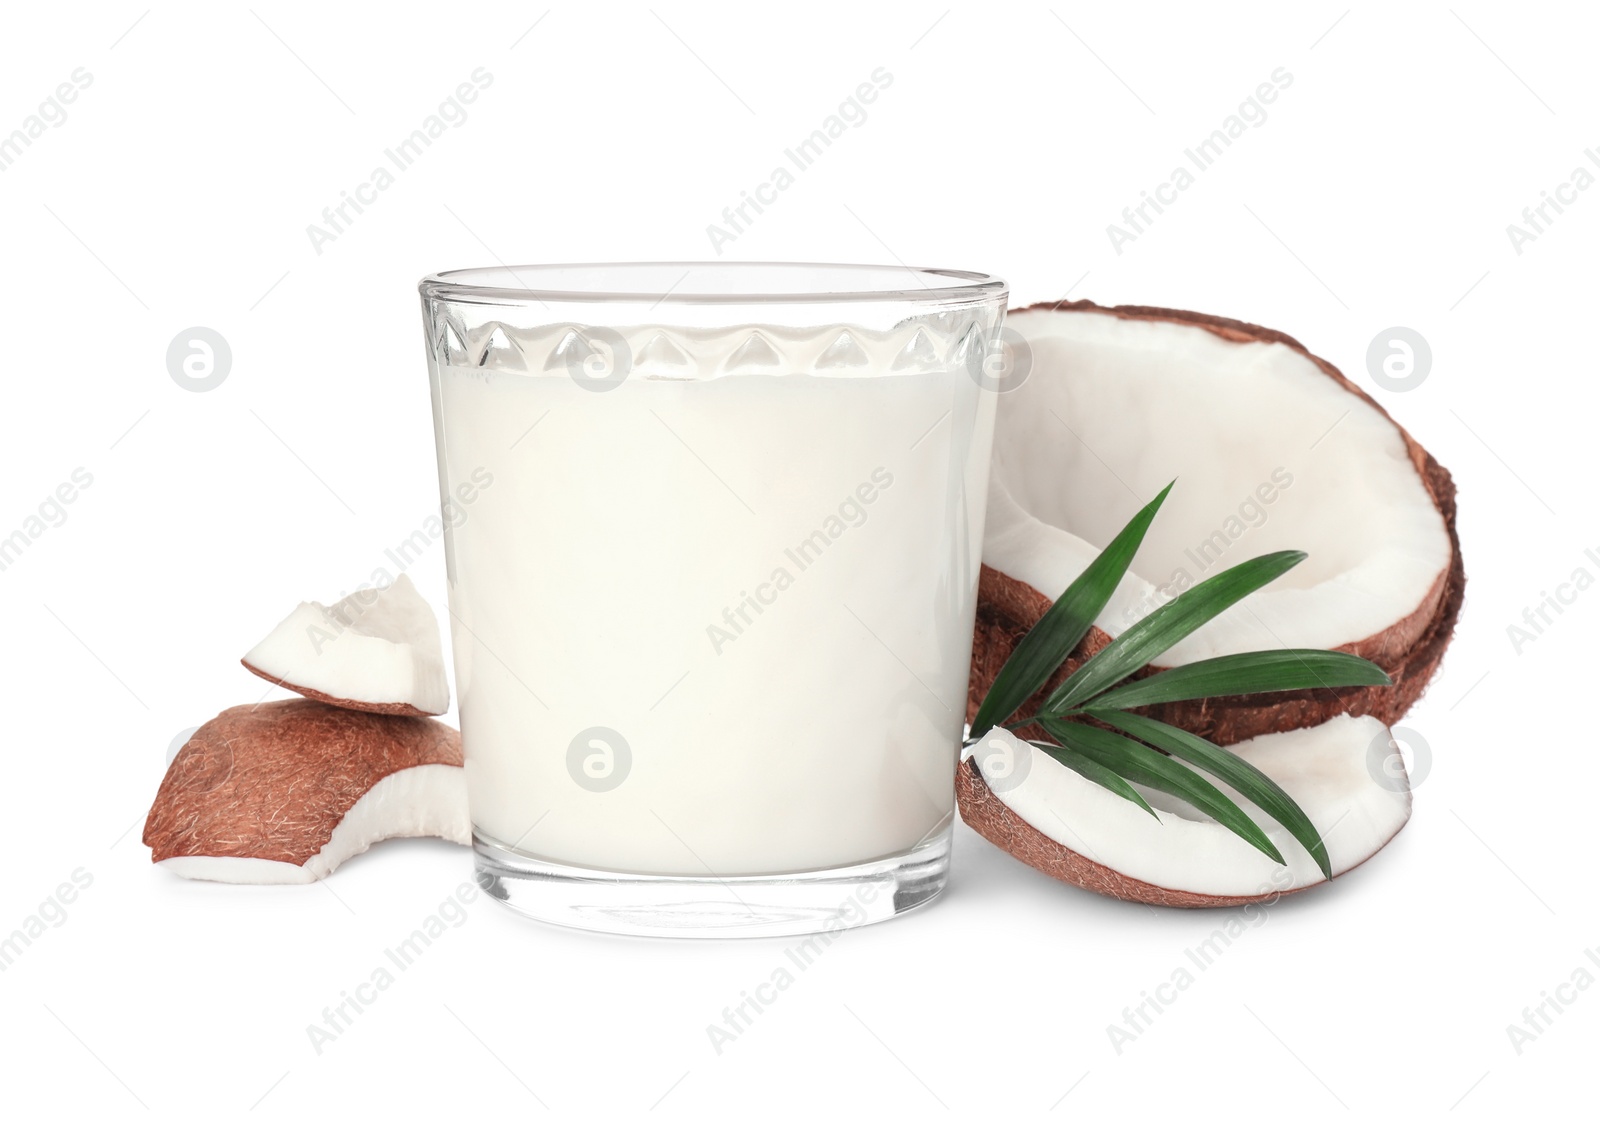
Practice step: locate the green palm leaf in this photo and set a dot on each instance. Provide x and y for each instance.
(1117, 759)
(1242, 776)
(1168, 625)
(1051, 639)
(1096, 773)
(1264, 671)
(1137, 763)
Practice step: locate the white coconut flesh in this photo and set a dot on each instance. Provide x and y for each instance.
(375, 647)
(1269, 453)
(1357, 796)
(424, 801)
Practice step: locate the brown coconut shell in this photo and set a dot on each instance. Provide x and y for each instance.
(273, 780)
(1409, 650)
(387, 708)
(998, 824)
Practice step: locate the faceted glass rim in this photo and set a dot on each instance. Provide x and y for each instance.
(737, 283)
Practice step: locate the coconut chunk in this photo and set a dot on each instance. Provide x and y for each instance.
(285, 792)
(1346, 774)
(376, 650)
(1272, 448)
(1158, 400)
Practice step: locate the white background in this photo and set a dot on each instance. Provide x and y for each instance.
(177, 193)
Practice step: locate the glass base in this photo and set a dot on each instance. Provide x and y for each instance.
(829, 900)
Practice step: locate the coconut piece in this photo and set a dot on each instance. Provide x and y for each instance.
(1272, 448)
(285, 792)
(1347, 775)
(376, 650)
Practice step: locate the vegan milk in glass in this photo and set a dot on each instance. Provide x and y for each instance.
(713, 548)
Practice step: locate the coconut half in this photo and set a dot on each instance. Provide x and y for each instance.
(376, 650)
(1347, 774)
(1272, 448)
(285, 792)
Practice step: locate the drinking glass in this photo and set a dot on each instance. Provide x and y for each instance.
(713, 541)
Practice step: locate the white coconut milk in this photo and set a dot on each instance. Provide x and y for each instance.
(713, 626)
